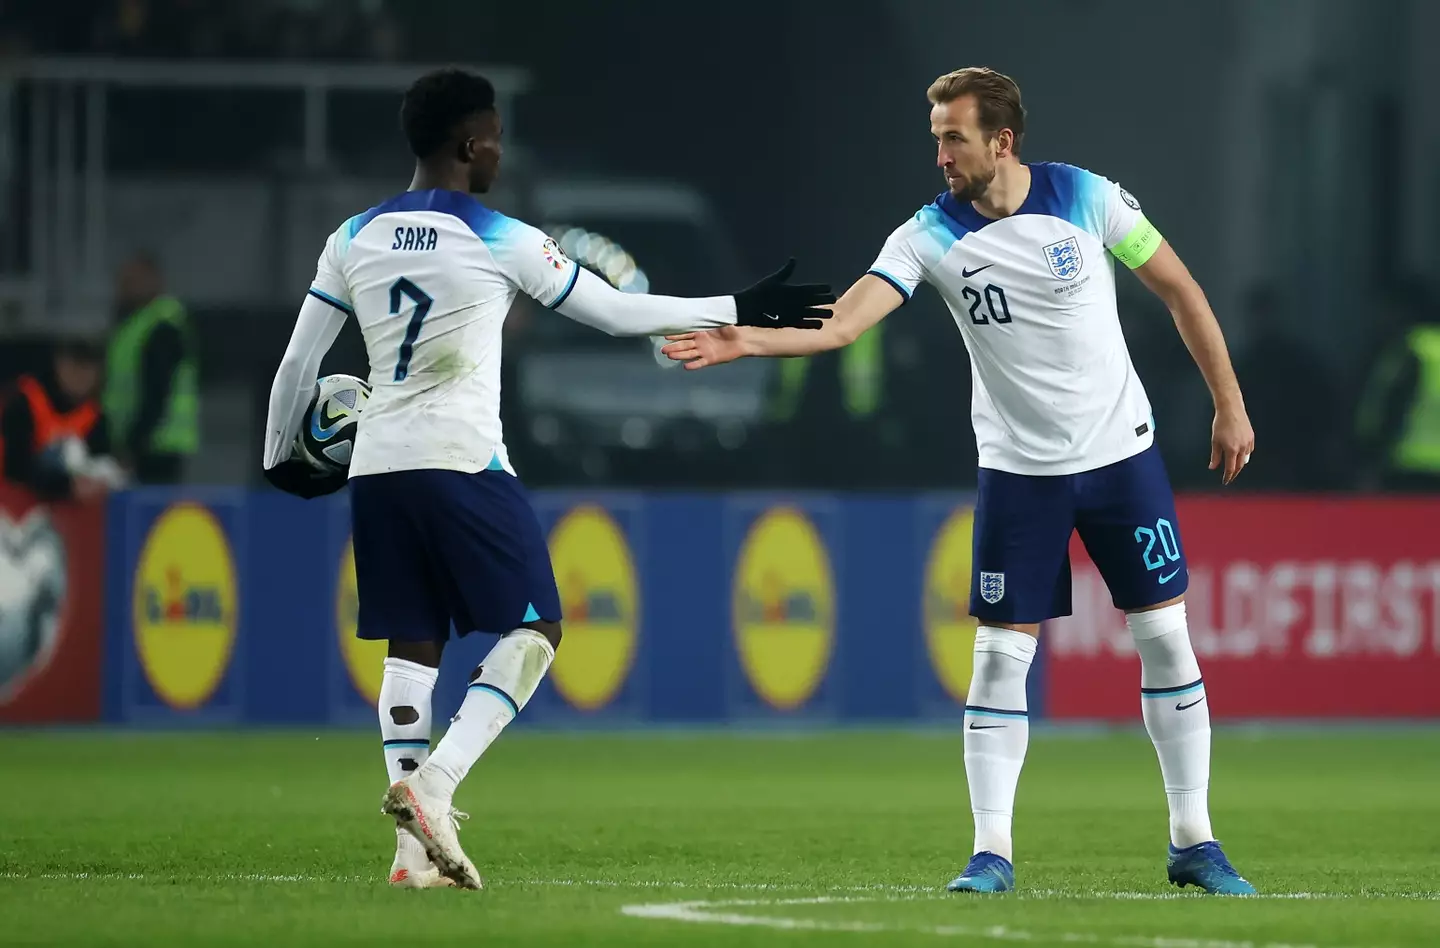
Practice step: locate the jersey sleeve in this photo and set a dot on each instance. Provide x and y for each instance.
(329, 283)
(1127, 233)
(316, 327)
(900, 262)
(534, 262)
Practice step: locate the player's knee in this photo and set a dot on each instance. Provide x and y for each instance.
(1031, 629)
(551, 631)
(421, 653)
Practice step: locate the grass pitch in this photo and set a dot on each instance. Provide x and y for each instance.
(663, 839)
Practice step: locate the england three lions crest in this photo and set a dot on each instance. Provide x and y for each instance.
(992, 587)
(1064, 258)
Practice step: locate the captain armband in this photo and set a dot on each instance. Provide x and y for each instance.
(1139, 245)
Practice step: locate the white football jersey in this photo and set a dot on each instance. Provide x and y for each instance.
(1034, 297)
(429, 276)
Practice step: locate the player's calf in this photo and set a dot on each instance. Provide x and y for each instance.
(404, 708)
(499, 687)
(1177, 718)
(405, 692)
(997, 733)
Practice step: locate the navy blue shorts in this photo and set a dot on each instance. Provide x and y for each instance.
(436, 547)
(1125, 512)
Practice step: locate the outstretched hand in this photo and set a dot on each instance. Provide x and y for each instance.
(700, 349)
(774, 304)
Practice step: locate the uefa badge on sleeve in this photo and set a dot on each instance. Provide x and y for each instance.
(553, 254)
(992, 587)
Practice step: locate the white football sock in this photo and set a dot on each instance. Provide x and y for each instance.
(506, 680)
(1177, 716)
(405, 692)
(997, 732)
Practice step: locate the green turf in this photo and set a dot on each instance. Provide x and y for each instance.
(570, 829)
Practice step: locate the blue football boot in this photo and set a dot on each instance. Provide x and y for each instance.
(1205, 866)
(985, 872)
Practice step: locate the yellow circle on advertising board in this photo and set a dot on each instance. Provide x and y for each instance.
(364, 658)
(185, 605)
(949, 627)
(784, 608)
(600, 600)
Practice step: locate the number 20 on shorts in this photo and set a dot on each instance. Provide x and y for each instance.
(1169, 550)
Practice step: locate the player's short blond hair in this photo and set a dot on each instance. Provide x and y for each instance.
(996, 95)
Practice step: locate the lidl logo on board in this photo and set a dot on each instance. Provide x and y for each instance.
(364, 658)
(185, 605)
(783, 606)
(949, 627)
(599, 597)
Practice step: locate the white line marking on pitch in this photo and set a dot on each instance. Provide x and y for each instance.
(179, 877)
(717, 913)
(899, 890)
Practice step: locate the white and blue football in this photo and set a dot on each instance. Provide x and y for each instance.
(327, 437)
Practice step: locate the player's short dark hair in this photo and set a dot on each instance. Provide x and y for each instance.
(437, 102)
(996, 94)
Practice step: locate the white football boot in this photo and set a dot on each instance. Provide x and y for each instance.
(434, 822)
(412, 869)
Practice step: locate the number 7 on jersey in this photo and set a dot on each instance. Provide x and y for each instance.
(399, 290)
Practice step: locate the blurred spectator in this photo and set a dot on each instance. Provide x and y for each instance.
(1397, 426)
(55, 438)
(152, 380)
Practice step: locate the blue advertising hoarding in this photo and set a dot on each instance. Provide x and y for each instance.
(235, 607)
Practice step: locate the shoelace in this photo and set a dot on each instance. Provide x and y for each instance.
(458, 816)
(1224, 866)
(981, 862)
(1222, 863)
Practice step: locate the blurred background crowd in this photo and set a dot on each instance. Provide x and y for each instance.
(169, 170)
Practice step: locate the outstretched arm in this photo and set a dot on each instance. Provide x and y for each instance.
(867, 302)
(1232, 438)
(600, 306)
(539, 268)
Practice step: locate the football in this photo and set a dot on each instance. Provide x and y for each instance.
(327, 436)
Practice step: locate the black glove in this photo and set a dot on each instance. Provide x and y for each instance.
(774, 304)
(296, 477)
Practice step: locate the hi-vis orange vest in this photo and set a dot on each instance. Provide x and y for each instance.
(52, 425)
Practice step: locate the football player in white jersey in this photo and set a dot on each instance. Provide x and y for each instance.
(443, 530)
(1020, 253)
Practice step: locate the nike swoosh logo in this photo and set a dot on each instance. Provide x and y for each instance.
(1182, 707)
(327, 423)
(967, 274)
(1166, 579)
(772, 316)
(985, 727)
